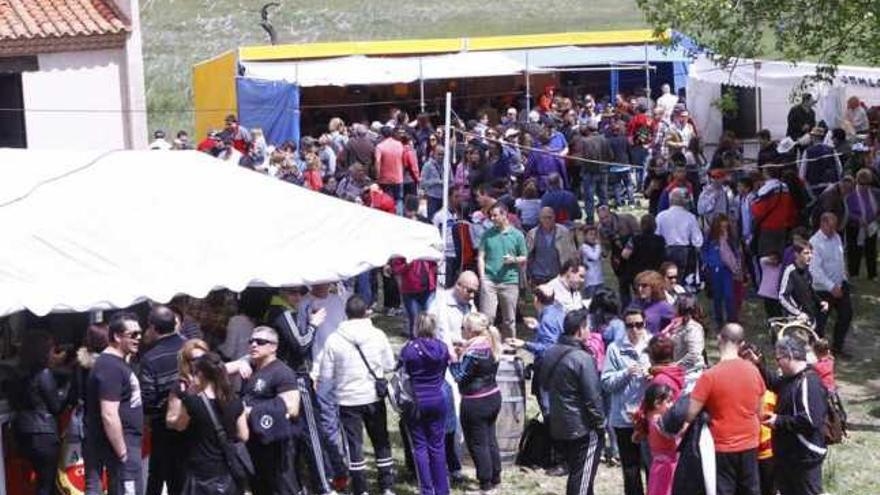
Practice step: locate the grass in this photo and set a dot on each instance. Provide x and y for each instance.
(850, 468)
(179, 33)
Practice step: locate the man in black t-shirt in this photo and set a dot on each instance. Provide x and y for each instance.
(158, 373)
(268, 418)
(114, 414)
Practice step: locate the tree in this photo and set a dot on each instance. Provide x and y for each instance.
(825, 31)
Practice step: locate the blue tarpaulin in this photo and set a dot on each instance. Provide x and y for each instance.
(272, 106)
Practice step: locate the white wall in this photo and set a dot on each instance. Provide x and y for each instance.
(75, 101)
(134, 97)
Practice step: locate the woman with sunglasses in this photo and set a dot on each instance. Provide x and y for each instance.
(651, 298)
(624, 379)
(206, 469)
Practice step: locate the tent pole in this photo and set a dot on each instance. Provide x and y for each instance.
(647, 74)
(447, 152)
(528, 87)
(421, 87)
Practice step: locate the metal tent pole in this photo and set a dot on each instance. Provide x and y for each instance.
(528, 87)
(421, 87)
(447, 153)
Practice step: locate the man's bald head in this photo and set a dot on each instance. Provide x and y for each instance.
(732, 334)
(163, 320)
(469, 278)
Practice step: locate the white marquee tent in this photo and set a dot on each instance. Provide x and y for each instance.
(91, 230)
(359, 69)
(777, 81)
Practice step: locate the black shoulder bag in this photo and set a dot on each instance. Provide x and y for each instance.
(241, 467)
(380, 383)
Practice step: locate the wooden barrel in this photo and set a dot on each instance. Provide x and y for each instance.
(512, 418)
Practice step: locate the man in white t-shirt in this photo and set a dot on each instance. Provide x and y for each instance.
(667, 102)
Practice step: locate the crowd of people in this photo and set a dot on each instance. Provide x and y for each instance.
(274, 389)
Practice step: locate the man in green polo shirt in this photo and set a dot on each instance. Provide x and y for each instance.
(501, 255)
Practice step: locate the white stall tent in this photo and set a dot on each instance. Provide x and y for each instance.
(91, 230)
(777, 82)
(360, 69)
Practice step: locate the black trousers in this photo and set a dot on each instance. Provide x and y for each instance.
(800, 479)
(166, 462)
(737, 473)
(478, 418)
(582, 456)
(273, 464)
(854, 253)
(767, 475)
(373, 418)
(630, 462)
(308, 447)
(42, 450)
(844, 310)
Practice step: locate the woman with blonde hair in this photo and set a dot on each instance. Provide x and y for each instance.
(651, 298)
(475, 372)
(192, 349)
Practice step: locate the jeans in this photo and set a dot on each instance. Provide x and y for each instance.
(621, 184)
(723, 303)
(582, 457)
(593, 183)
(506, 295)
(42, 450)
(328, 424)
(396, 192)
(166, 462)
(414, 304)
(434, 205)
(630, 461)
(478, 418)
(123, 478)
(844, 310)
(364, 287)
(373, 417)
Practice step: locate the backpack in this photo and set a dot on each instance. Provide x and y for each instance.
(834, 429)
(535, 446)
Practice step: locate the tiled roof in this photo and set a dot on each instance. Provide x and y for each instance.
(38, 26)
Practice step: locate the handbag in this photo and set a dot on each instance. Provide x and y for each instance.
(380, 383)
(241, 467)
(401, 397)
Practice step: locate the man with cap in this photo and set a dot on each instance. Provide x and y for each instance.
(820, 164)
(801, 118)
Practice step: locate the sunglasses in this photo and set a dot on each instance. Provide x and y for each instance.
(639, 324)
(672, 277)
(261, 342)
(132, 335)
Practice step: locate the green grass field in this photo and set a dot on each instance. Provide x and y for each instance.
(179, 33)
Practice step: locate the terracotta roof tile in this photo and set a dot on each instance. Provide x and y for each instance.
(22, 20)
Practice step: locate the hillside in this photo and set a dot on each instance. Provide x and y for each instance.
(179, 33)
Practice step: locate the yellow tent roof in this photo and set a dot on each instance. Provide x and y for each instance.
(444, 45)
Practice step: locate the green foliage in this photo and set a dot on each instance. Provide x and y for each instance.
(827, 31)
(727, 103)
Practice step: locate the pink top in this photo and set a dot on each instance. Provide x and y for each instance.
(660, 443)
(770, 278)
(389, 161)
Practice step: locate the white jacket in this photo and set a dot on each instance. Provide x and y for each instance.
(341, 365)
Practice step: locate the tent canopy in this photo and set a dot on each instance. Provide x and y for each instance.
(91, 230)
(365, 70)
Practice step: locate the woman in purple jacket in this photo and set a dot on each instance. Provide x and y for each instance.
(425, 358)
(863, 205)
